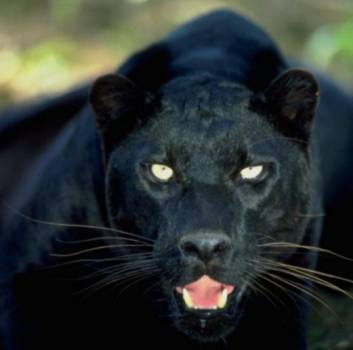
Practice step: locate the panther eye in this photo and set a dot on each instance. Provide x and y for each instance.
(251, 172)
(162, 172)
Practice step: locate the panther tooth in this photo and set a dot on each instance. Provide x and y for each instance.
(222, 301)
(187, 299)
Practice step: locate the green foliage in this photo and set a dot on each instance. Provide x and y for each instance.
(331, 329)
(65, 10)
(329, 42)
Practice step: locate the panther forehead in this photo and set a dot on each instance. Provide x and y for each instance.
(207, 93)
(202, 109)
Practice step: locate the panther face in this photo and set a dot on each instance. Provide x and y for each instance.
(210, 173)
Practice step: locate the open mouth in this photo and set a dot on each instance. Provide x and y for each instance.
(205, 294)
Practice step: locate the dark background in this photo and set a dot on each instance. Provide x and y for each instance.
(47, 46)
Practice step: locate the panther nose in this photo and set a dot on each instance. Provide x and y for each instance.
(205, 246)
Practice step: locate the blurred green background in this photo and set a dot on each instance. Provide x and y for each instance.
(46, 46)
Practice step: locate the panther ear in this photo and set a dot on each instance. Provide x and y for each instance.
(291, 101)
(114, 98)
(119, 106)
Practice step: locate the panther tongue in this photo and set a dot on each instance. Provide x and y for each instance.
(205, 293)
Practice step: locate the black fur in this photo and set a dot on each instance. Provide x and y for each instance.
(213, 97)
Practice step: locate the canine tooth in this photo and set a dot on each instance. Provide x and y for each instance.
(187, 299)
(222, 301)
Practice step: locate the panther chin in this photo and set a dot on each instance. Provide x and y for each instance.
(208, 310)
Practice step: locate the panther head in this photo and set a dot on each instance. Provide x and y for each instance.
(210, 172)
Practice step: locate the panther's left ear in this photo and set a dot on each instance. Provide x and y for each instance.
(291, 101)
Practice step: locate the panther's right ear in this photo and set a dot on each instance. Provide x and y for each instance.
(116, 98)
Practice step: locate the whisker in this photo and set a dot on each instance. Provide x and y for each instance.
(89, 250)
(309, 215)
(151, 287)
(279, 137)
(71, 225)
(88, 240)
(122, 270)
(307, 276)
(94, 289)
(122, 280)
(296, 253)
(119, 275)
(302, 289)
(265, 292)
(112, 269)
(137, 280)
(264, 238)
(97, 260)
(282, 288)
(307, 247)
(309, 271)
(287, 292)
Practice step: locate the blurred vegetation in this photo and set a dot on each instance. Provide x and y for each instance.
(331, 326)
(46, 46)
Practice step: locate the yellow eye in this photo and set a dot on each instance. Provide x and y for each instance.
(162, 172)
(251, 172)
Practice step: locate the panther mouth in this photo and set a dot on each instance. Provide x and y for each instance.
(205, 294)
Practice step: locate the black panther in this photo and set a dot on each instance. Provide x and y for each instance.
(177, 202)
